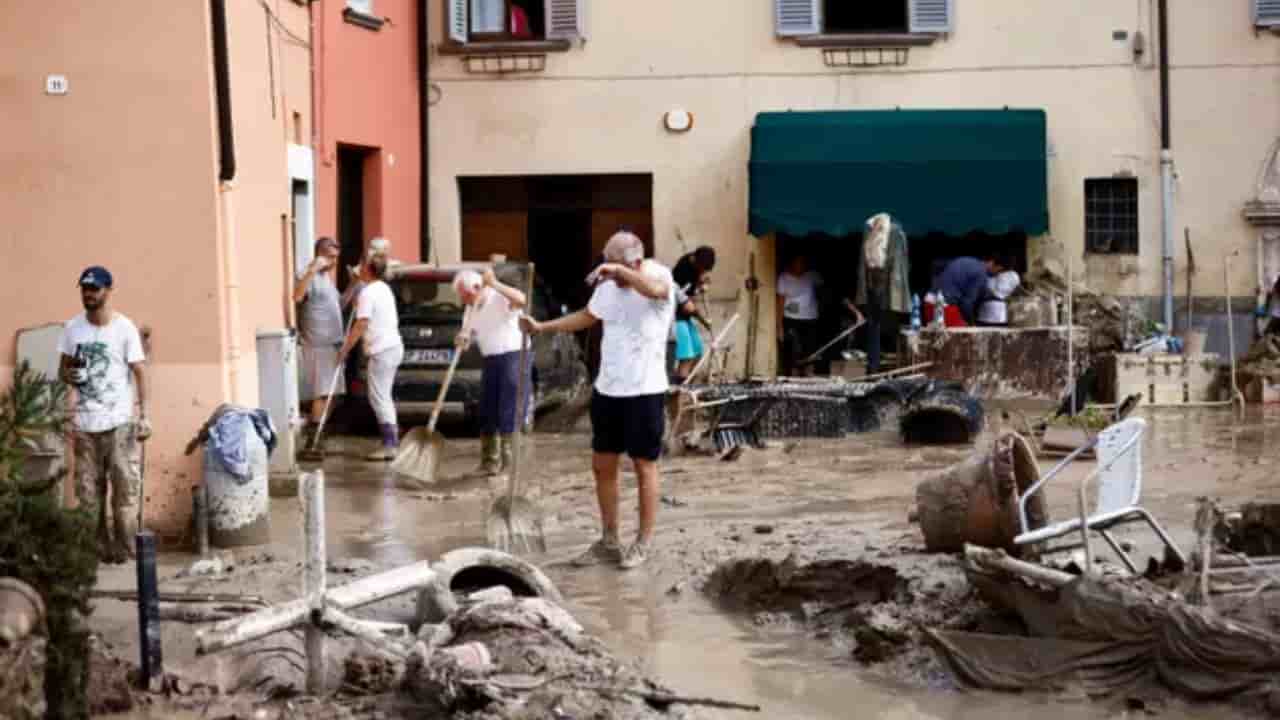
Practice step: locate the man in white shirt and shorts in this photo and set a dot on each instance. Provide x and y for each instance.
(634, 299)
(378, 325)
(102, 357)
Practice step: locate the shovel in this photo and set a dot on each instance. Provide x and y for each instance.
(514, 524)
(420, 449)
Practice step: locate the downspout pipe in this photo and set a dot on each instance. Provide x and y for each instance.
(226, 207)
(1166, 165)
(424, 147)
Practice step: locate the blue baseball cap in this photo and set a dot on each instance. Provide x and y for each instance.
(95, 276)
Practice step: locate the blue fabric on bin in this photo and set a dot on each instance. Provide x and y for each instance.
(226, 438)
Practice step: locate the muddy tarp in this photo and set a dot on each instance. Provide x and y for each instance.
(1109, 635)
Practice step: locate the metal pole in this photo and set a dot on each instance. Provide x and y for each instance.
(1071, 336)
(311, 491)
(1166, 164)
(148, 610)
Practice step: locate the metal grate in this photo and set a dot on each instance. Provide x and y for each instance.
(505, 64)
(864, 57)
(1111, 215)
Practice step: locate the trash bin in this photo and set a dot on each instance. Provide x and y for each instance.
(239, 508)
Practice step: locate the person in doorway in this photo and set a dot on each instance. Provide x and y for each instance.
(320, 332)
(101, 356)
(495, 324)
(1001, 283)
(377, 326)
(883, 286)
(962, 283)
(691, 274)
(797, 314)
(634, 301)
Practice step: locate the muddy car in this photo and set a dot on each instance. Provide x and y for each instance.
(431, 317)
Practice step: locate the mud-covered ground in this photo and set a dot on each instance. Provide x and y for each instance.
(790, 577)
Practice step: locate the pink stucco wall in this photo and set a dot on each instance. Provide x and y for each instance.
(121, 171)
(367, 95)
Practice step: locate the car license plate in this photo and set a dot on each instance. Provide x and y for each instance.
(438, 356)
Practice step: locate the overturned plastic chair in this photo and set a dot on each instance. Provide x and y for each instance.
(1119, 475)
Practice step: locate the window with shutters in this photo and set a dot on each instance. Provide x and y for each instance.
(1111, 215)
(500, 26)
(1266, 13)
(820, 22)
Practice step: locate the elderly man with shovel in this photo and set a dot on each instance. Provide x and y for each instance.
(495, 326)
(634, 299)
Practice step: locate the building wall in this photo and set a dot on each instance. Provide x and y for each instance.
(599, 107)
(367, 95)
(121, 171)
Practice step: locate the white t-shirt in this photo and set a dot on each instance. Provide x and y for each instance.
(633, 351)
(495, 324)
(799, 295)
(995, 309)
(377, 305)
(105, 401)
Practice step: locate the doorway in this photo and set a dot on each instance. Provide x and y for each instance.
(352, 206)
(837, 260)
(561, 223)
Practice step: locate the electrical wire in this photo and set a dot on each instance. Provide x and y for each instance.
(275, 20)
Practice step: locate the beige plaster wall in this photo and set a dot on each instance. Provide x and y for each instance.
(599, 106)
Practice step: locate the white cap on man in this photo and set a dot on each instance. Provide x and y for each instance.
(467, 281)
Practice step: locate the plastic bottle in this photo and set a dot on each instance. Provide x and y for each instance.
(940, 311)
(915, 312)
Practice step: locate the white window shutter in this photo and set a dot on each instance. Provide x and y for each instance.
(458, 20)
(1266, 13)
(566, 19)
(931, 16)
(797, 17)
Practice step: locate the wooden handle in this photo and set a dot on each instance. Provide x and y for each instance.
(521, 404)
(448, 376)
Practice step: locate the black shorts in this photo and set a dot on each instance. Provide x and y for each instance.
(630, 425)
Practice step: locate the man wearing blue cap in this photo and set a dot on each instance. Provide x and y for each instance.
(102, 358)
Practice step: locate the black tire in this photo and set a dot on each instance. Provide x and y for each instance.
(471, 569)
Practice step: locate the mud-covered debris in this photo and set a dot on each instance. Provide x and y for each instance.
(764, 529)
(109, 689)
(540, 664)
(371, 674)
(758, 584)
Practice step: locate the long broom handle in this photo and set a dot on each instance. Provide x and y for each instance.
(522, 406)
(715, 345)
(834, 340)
(333, 384)
(448, 375)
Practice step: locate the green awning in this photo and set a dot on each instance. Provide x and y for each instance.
(947, 171)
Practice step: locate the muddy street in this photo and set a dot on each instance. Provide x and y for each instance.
(817, 500)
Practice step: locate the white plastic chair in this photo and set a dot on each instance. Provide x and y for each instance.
(1119, 473)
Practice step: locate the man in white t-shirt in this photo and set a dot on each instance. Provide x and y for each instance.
(993, 309)
(102, 358)
(797, 313)
(494, 322)
(378, 325)
(634, 299)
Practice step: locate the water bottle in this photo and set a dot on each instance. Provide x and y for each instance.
(915, 312)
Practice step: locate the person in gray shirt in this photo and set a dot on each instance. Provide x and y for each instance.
(320, 331)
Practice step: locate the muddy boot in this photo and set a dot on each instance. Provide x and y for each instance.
(390, 442)
(490, 459)
(505, 449)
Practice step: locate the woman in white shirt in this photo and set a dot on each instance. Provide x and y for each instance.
(378, 326)
(797, 312)
(494, 322)
(994, 309)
